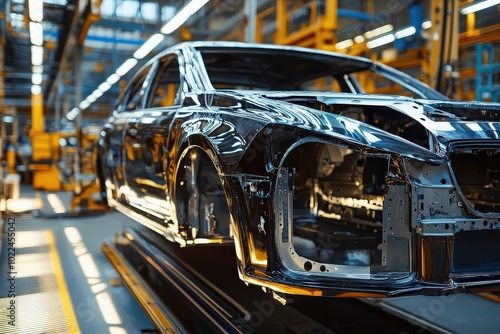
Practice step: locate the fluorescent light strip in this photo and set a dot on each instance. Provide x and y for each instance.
(127, 66)
(36, 78)
(380, 41)
(359, 39)
(182, 16)
(84, 105)
(36, 10)
(475, 7)
(36, 55)
(378, 31)
(36, 33)
(73, 113)
(8, 119)
(344, 44)
(179, 19)
(91, 98)
(426, 24)
(104, 87)
(97, 93)
(37, 69)
(148, 46)
(36, 89)
(113, 78)
(405, 32)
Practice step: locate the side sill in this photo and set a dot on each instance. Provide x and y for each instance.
(158, 228)
(147, 222)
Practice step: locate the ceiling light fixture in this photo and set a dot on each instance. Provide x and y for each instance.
(405, 32)
(36, 89)
(104, 87)
(36, 10)
(426, 24)
(178, 20)
(72, 114)
(36, 33)
(91, 98)
(380, 41)
(126, 66)
(148, 46)
(8, 119)
(378, 31)
(97, 93)
(182, 16)
(37, 69)
(344, 44)
(113, 78)
(36, 78)
(36, 55)
(477, 6)
(84, 105)
(359, 39)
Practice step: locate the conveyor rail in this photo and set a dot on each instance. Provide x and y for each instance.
(147, 300)
(201, 291)
(209, 306)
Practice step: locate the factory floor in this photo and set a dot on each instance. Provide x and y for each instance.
(54, 277)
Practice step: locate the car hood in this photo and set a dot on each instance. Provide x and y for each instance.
(447, 121)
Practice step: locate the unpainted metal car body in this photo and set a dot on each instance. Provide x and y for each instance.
(324, 190)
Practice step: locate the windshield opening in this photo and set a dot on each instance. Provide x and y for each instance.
(291, 70)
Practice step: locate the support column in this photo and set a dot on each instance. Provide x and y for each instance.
(2, 89)
(37, 117)
(326, 36)
(45, 170)
(78, 121)
(444, 46)
(451, 73)
(58, 107)
(251, 18)
(281, 22)
(435, 47)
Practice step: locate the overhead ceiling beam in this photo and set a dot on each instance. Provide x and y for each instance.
(92, 15)
(144, 28)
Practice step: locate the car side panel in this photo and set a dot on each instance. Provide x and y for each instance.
(147, 164)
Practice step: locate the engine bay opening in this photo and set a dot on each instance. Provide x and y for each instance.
(469, 251)
(338, 199)
(382, 117)
(477, 171)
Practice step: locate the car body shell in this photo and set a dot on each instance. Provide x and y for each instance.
(322, 193)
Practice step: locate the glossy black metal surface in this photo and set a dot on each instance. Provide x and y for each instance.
(324, 193)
